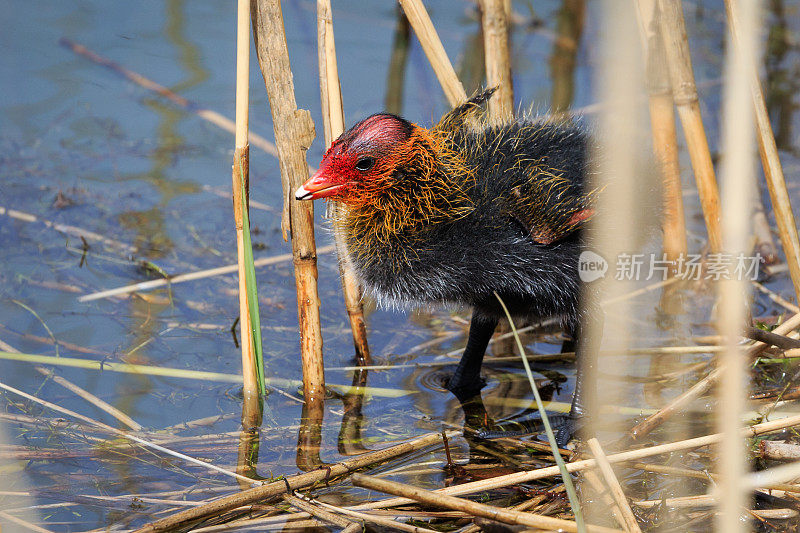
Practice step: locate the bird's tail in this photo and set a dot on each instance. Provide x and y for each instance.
(457, 117)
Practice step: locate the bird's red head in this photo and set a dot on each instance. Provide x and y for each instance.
(363, 161)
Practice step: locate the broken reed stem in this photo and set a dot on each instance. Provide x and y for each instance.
(684, 92)
(429, 39)
(241, 185)
(626, 515)
(702, 386)
(294, 133)
(287, 485)
(767, 148)
(333, 121)
(662, 121)
(494, 20)
(438, 499)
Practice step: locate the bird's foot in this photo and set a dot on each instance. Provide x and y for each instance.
(566, 427)
(464, 390)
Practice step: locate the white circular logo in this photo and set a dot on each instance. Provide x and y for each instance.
(591, 266)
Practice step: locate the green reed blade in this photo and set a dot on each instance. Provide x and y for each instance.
(252, 291)
(568, 485)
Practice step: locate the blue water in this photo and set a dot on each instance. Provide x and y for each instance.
(137, 169)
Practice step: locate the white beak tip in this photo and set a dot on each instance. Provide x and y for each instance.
(302, 194)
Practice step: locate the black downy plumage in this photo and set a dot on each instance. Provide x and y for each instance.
(508, 205)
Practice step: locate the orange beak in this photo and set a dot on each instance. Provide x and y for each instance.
(318, 186)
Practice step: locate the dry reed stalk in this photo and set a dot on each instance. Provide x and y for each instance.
(765, 244)
(483, 524)
(251, 410)
(576, 466)
(771, 477)
(192, 276)
(65, 228)
(662, 120)
(294, 132)
(91, 398)
(708, 476)
(333, 121)
(397, 64)
(778, 451)
(625, 513)
(494, 20)
(23, 523)
(773, 172)
(438, 499)
(120, 433)
(429, 39)
(605, 497)
(206, 114)
(682, 502)
(619, 82)
(379, 520)
(789, 306)
(702, 386)
(569, 27)
(738, 167)
(287, 485)
(684, 92)
(318, 512)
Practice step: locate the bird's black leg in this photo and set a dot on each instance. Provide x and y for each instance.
(466, 381)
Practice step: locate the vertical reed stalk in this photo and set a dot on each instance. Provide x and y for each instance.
(397, 64)
(662, 120)
(620, 78)
(294, 133)
(787, 228)
(569, 27)
(738, 192)
(494, 24)
(498, 63)
(684, 92)
(241, 185)
(349, 441)
(429, 39)
(333, 125)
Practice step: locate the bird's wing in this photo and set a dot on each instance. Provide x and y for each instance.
(548, 206)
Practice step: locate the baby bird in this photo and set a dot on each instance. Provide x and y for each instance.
(462, 213)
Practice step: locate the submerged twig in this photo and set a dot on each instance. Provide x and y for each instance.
(191, 276)
(65, 228)
(121, 433)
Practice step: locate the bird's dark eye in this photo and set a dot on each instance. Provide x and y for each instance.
(365, 163)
